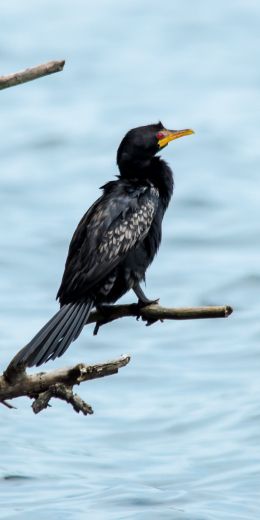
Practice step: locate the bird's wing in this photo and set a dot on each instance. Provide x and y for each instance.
(108, 231)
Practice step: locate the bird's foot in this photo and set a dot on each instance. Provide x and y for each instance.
(141, 304)
(146, 302)
(143, 301)
(151, 321)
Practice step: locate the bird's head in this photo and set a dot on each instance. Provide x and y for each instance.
(140, 144)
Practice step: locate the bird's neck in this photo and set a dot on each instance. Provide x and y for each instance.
(155, 171)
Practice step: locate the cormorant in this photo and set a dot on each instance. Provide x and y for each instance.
(114, 243)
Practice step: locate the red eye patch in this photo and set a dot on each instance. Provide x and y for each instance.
(160, 135)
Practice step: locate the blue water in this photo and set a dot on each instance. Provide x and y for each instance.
(175, 434)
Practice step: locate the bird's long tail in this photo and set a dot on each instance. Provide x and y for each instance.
(56, 335)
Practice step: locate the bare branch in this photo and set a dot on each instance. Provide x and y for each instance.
(43, 386)
(58, 383)
(64, 393)
(31, 73)
(152, 313)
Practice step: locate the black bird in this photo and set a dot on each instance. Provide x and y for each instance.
(114, 243)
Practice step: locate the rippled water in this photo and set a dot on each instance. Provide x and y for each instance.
(175, 435)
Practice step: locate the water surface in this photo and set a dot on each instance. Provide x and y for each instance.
(175, 435)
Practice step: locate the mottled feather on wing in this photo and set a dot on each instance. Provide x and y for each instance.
(115, 223)
(124, 233)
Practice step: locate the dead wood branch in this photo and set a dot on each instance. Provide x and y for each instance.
(43, 386)
(152, 313)
(31, 73)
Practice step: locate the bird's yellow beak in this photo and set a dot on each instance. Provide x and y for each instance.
(165, 136)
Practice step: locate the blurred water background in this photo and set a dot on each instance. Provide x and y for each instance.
(175, 435)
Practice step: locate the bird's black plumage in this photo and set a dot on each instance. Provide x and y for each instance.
(114, 243)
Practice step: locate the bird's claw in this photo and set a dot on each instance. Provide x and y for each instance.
(144, 303)
(151, 322)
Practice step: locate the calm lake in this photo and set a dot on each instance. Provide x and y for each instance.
(175, 435)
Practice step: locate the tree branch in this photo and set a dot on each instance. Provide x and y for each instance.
(152, 313)
(31, 73)
(43, 386)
